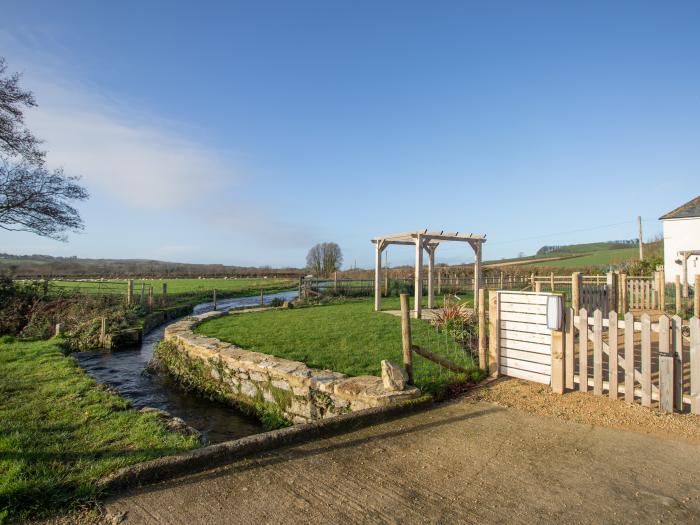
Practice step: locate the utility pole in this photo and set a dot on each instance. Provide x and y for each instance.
(641, 238)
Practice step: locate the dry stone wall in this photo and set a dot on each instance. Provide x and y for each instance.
(301, 394)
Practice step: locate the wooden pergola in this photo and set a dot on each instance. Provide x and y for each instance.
(428, 241)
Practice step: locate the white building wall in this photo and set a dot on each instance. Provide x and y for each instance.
(679, 235)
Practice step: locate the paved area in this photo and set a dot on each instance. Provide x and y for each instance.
(467, 461)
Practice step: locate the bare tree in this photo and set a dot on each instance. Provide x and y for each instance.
(32, 198)
(324, 258)
(37, 200)
(15, 138)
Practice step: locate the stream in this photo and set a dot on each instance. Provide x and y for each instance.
(123, 372)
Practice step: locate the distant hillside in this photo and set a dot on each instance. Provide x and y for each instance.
(34, 266)
(587, 247)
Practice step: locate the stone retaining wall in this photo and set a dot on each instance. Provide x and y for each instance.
(301, 394)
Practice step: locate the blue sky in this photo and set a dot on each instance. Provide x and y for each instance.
(243, 133)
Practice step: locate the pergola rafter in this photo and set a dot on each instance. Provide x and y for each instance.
(427, 241)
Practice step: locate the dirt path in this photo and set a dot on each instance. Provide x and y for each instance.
(467, 461)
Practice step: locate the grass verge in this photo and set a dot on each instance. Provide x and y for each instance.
(348, 337)
(60, 432)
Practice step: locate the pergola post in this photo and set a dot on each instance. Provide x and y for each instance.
(379, 247)
(477, 272)
(418, 286)
(431, 272)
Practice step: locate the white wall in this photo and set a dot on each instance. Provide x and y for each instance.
(681, 234)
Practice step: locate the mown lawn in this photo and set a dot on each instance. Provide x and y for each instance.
(60, 432)
(350, 338)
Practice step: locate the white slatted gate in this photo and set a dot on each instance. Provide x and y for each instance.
(525, 342)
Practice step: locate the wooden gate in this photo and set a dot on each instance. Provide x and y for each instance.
(594, 297)
(523, 344)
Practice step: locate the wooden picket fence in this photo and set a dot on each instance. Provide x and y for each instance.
(641, 360)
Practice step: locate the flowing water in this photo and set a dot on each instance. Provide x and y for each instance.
(124, 372)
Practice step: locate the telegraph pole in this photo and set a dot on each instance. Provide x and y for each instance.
(641, 238)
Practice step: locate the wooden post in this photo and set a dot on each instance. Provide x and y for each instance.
(500, 282)
(661, 279)
(494, 335)
(612, 355)
(583, 350)
(598, 353)
(679, 361)
(641, 238)
(262, 298)
(551, 281)
(165, 290)
(406, 337)
(696, 296)
(629, 357)
(576, 291)
(130, 292)
(378, 275)
(59, 330)
(558, 378)
(477, 272)
(624, 307)
(143, 293)
(695, 365)
(150, 297)
(335, 281)
(685, 274)
(431, 271)
(569, 348)
(214, 298)
(679, 302)
(538, 286)
(646, 360)
(612, 291)
(532, 281)
(103, 330)
(666, 359)
(483, 357)
(418, 278)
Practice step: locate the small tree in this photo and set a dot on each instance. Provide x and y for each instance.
(324, 258)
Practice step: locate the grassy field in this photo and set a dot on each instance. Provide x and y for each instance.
(350, 338)
(185, 286)
(60, 432)
(599, 258)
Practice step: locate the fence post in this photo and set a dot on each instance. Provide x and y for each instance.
(612, 291)
(103, 330)
(532, 281)
(214, 298)
(629, 357)
(165, 290)
(661, 280)
(583, 350)
(538, 286)
(150, 297)
(646, 361)
(130, 292)
(679, 304)
(335, 281)
(494, 332)
(59, 330)
(406, 337)
(679, 360)
(576, 291)
(143, 293)
(569, 348)
(551, 281)
(598, 353)
(558, 378)
(665, 367)
(613, 356)
(483, 357)
(262, 298)
(623, 293)
(696, 296)
(695, 365)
